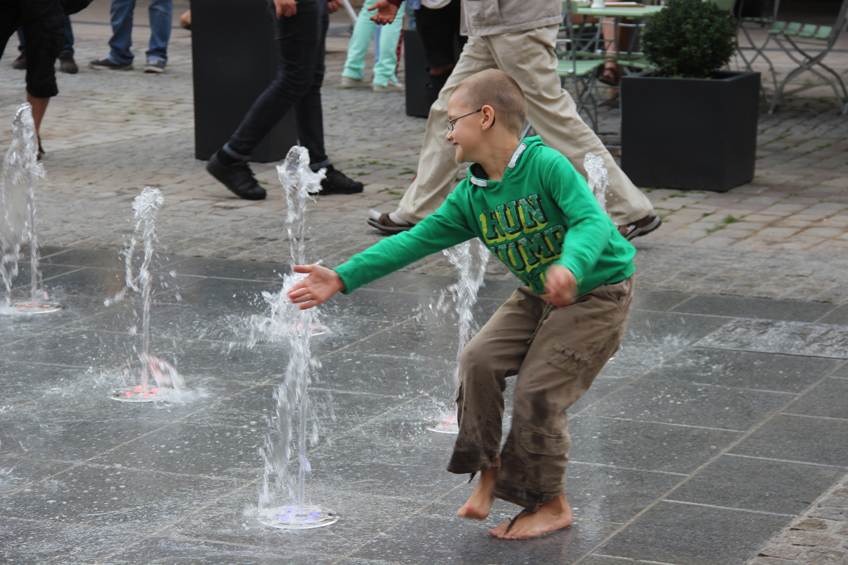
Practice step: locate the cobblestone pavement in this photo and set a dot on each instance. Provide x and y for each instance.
(109, 134)
(819, 536)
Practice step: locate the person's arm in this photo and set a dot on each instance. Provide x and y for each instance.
(588, 228)
(437, 231)
(443, 228)
(386, 11)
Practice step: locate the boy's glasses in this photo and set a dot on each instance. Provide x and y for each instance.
(453, 121)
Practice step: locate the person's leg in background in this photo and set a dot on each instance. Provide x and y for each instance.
(354, 69)
(120, 57)
(121, 18)
(160, 13)
(300, 72)
(385, 79)
(43, 25)
(529, 58)
(66, 57)
(437, 166)
(20, 62)
(615, 38)
(309, 119)
(439, 32)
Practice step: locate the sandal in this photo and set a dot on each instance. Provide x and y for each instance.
(611, 76)
(517, 516)
(388, 223)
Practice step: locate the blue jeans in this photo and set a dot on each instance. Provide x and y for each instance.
(121, 18)
(68, 47)
(300, 73)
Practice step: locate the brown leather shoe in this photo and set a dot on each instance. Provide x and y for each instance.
(20, 62)
(67, 64)
(643, 227)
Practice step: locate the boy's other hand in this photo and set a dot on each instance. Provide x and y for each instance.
(561, 285)
(286, 8)
(385, 12)
(334, 5)
(321, 284)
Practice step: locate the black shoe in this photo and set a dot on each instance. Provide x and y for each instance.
(20, 62)
(109, 65)
(237, 177)
(67, 64)
(337, 183)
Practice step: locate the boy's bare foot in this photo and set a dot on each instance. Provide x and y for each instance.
(480, 502)
(552, 516)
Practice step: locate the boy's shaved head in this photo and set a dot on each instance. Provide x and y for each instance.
(498, 90)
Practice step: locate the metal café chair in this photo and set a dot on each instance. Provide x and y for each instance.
(580, 63)
(746, 25)
(807, 45)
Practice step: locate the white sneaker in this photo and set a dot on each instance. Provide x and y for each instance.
(391, 87)
(348, 82)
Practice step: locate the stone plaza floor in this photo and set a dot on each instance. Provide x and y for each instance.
(717, 436)
(719, 422)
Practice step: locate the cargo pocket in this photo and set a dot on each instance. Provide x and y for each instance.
(568, 361)
(542, 443)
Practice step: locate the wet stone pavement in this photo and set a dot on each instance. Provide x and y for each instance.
(717, 425)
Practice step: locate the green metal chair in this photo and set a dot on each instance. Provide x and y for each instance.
(580, 63)
(745, 26)
(808, 45)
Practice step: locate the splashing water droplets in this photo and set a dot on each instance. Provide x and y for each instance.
(169, 383)
(598, 178)
(282, 498)
(470, 259)
(20, 175)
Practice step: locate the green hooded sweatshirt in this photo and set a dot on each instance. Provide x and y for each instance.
(541, 212)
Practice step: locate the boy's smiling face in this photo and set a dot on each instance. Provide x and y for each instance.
(467, 134)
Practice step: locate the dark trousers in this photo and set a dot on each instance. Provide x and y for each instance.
(68, 47)
(43, 22)
(300, 74)
(439, 32)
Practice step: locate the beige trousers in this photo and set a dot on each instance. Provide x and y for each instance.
(556, 353)
(529, 58)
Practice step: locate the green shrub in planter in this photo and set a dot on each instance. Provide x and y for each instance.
(689, 39)
(689, 125)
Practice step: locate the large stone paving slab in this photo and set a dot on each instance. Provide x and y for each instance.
(695, 446)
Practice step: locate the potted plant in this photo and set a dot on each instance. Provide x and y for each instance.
(687, 124)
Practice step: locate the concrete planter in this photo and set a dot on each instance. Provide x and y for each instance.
(696, 134)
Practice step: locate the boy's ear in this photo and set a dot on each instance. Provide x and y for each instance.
(488, 116)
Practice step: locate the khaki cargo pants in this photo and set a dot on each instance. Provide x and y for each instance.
(556, 353)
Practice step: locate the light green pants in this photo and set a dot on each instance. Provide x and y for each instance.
(384, 69)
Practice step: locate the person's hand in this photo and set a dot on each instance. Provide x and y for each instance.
(561, 285)
(334, 5)
(321, 284)
(385, 12)
(286, 8)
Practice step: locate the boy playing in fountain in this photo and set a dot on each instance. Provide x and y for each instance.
(536, 214)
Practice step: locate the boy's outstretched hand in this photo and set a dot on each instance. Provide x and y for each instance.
(321, 284)
(561, 285)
